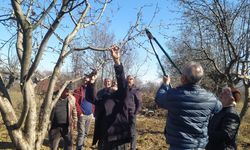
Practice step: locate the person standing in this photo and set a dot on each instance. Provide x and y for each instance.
(113, 120)
(189, 109)
(134, 106)
(101, 94)
(63, 120)
(107, 88)
(84, 112)
(223, 127)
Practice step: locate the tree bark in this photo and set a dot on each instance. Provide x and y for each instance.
(246, 102)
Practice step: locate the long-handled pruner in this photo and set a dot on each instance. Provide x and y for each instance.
(156, 55)
(150, 37)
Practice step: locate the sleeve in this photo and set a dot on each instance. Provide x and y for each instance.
(77, 101)
(138, 101)
(90, 94)
(121, 82)
(229, 125)
(161, 96)
(74, 110)
(218, 106)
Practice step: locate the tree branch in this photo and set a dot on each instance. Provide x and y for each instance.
(45, 41)
(98, 18)
(3, 90)
(44, 13)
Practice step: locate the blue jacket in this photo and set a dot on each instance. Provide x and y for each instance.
(189, 109)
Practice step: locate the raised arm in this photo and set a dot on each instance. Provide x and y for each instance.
(90, 93)
(161, 95)
(119, 72)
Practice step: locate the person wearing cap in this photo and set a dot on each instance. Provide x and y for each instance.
(223, 127)
(63, 119)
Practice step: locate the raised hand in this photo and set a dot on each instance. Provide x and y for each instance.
(115, 53)
(93, 78)
(166, 80)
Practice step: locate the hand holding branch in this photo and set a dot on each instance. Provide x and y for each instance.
(115, 53)
(166, 80)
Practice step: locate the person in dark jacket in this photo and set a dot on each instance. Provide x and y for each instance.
(189, 109)
(101, 94)
(107, 88)
(134, 106)
(113, 120)
(63, 120)
(223, 127)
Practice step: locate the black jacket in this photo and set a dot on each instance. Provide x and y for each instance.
(112, 122)
(222, 130)
(133, 100)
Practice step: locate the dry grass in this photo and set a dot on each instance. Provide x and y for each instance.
(150, 131)
(150, 135)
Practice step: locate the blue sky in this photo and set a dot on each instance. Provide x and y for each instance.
(121, 20)
(167, 15)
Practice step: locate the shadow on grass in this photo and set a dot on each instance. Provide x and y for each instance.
(9, 145)
(140, 132)
(46, 143)
(6, 145)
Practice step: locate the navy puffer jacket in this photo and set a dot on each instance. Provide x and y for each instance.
(189, 109)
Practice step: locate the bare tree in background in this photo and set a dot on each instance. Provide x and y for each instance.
(9, 66)
(100, 36)
(32, 25)
(83, 60)
(216, 33)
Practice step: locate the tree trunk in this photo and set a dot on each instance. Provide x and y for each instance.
(10, 120)
(246, 102)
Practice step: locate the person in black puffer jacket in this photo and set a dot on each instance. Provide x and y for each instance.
(223, 127)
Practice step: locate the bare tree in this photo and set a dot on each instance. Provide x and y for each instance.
(83, 60)
(35, 24)
(216, 33)
(101, 37)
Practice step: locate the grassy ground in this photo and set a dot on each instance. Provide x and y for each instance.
(150, 131)
(150, 135)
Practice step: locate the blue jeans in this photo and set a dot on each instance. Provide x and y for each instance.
(83, 125)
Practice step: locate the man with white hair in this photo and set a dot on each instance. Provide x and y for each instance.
(189, 109)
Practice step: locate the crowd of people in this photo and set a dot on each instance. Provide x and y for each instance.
(196, 118)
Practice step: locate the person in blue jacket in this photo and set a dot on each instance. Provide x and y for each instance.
(189, 109)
